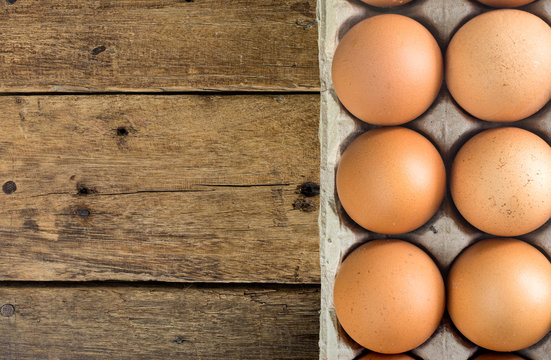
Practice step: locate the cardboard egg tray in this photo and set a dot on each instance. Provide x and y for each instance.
(448, 127)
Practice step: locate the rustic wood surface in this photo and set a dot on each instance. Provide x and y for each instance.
(158, 322)
(158, 45)
(175, 188)
(207, 195)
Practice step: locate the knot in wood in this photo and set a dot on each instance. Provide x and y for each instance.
(9, 187)
(7, 310)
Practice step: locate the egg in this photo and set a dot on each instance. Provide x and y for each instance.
(389, 296)
(498, 356)
(387, 70)
(498, 65)
(386, 3)
(375, 356)
(499, 294)
(505, 3)
(391, 180)
(501, 181)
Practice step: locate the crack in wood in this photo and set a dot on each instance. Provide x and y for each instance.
(167, 191)
(243, 185)
(122, 193)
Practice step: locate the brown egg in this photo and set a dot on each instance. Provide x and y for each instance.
(387, 70)
(498, 65)
(375, 356)
(386, 3)
(391, 180)
(389, 296)
(498, 357)
(505, 3)
(499, 294)
(501, 181)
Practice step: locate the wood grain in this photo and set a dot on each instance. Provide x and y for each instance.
(154, 322)
(170, 188)
(158, 45)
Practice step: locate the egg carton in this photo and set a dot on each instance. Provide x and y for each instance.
(446, 234)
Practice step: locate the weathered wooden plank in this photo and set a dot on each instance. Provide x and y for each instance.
(154, 322)
(158, 45)
(171, 188)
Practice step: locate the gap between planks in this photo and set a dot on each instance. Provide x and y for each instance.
(165, 93)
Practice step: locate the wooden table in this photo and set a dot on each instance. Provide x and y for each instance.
(159, 162)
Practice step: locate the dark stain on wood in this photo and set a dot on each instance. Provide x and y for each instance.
(304, 204)
(303, 7)
(28, 212)
(31, 224)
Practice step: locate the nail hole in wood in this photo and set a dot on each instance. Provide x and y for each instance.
(98, 50)
(83, 213)
(309, 189)
(7, 310)
(84, 190)
(9, 187)
(122, 131)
